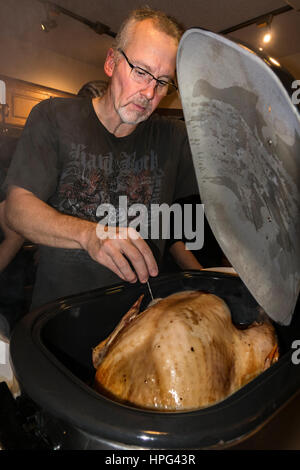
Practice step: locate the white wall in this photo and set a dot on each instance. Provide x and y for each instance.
(27, 62)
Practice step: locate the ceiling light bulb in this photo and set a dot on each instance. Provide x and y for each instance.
(274, 61)
(267, 38)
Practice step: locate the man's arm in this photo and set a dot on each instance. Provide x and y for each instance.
(183, 257)
(12, 241)
(40, 223)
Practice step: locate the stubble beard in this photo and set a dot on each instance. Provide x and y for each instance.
(134, 117)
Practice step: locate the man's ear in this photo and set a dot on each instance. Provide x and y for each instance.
(110, 62)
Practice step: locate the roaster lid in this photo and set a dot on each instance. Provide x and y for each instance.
(244, 133)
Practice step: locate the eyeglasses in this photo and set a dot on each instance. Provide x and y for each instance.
(144, 77)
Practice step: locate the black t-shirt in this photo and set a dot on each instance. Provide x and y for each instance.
(67, 158)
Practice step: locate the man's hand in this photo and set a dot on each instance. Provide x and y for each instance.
(115, 247)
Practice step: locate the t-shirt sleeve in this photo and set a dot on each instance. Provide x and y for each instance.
(186, 182)
(34, 165)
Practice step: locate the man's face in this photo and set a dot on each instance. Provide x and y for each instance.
(153, 51)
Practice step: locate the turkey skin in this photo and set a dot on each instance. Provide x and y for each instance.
(182, 353)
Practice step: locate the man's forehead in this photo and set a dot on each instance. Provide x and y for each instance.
(147, 33)
(147, 46)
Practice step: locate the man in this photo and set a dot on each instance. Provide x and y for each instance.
(76, 154)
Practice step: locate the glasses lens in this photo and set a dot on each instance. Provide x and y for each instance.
(140, 76)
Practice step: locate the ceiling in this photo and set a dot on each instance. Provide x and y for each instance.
(20, 19)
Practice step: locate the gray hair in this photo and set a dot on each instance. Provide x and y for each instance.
(162, 22)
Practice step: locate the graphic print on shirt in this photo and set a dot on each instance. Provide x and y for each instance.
(89, 180)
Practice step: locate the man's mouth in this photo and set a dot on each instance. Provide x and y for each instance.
(139, 107)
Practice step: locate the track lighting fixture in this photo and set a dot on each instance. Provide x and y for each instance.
(51, 14)
(258, 19)
(53, 10)
(265, 24)
(47, 25)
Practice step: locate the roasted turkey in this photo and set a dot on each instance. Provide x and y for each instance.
(181, 353)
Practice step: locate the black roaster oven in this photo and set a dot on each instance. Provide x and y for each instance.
(51, 351)
(253, 158)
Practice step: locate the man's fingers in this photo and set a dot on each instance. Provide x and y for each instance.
(126, 253)
(109, 263)
(147, 255)
(130, 271)
(129, 258)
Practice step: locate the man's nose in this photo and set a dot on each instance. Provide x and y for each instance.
(149, 90)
